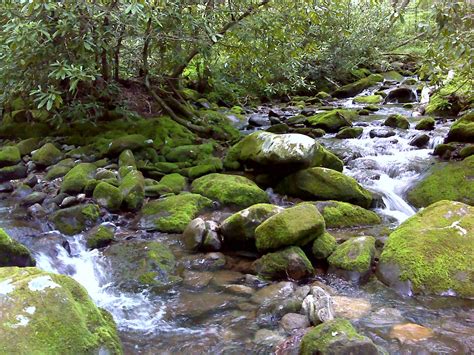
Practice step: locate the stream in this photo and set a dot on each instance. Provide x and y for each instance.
(206, 316)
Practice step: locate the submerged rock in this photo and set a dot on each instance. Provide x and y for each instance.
(287, 263)
(431, 252)
(410, 333)
(44, 313)
(381, 133)
(13, 253)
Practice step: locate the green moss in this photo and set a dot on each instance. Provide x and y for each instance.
(131, 142)
(397, 121)
(325, 184)
(209, 166)
(467, 151)
(173, 213)
(76, 179)
(62, 318)
(9, 155)
(229, 189)
(189, 153)
(172, 134)
(75, 219)
(323, 246)
(360, 73)
(190, 94)
(108, 196)
(332, 121)
(353, 89)
(13, 253)
(350, 132)
(426, 124)
(100, 237)
(26, 146)
(287, 263)
(324, 158)
(342, 214)
(355, 254)
(463, 129)
(132, 188)
(393, 76)
(453, 181)
(434, 248)
(127, 159)
(370, 99)
(297, 225)
(47, 155)
(323, 95)
(60, 169)
(13, 172)
(175, 182)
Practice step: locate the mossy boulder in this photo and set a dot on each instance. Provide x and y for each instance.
(325, 184)
(173, 213)
(132, 188)
(239, 229)
(126, 162)
(13, 253)
(296, 225)
(466, 151)
(426, 124)
(26, 146)
(45, 313)
(77, 178)
(393, 76)
(47, 155)
(357, 87)
(452, 180)
(229, 190)
(354, 257)
(9, 155)
(290, 263)
(338, 214)
(171, 183)
(60, 169)
(207, 166)
(444, 103)
(132, 142)
(266, 151)
(332, 121)
(323, 246)
(350, 132)
(431, 252)
(463, 129)
(189, 153)
(171, 134)
(323, 95)
(337, 336)
(108, 196)
(76, 219)
(13, 172)
(397, 121)
(369, 99)
(100, 236)
(139, 265)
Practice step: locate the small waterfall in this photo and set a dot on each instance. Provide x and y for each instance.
(425, 95)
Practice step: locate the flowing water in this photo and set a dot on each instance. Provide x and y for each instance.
(212, 319)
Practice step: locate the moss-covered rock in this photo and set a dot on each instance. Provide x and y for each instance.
(357, 87)
(208, 166)
(397, 121)
(452, 180)
(431, 252)
(332, 121)
(13, 172)
(287, 263)
(75, 219)
(354, 255)
(466, 151)
(76, 179)
(393, 76)
(13, 253)
(325, 184)
(426, 124)
(26, 146)
(132, 188)
(126, 162)
(108, 196)
(369, 99)
(47, 155)
(9, 155)
(131, 142)
(337, 336)
(171, 134)
(60, 169)
(338, 214)
(280, 152)
(323, 95)
(239, 229)
(323, 246)
(350, 132)
(172, 214)
(45, 313)
(100, 236)
(187, 153)
(138, 265)
(229, 189)
(463, 129)
(171, 183)
(296, 225)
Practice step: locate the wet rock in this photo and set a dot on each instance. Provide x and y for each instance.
(332, 121)
(138, 265)
(26, 146)
(352, 259)
(69, 201)
(297, 225)
(6, 187)
(401, 95)
(397, 121)
(196, 279)
(393, 75)
(108, 196)
(384, 317)
(357, 87)
(9, 155)
(294, 321)
(202, 235)
(381, 133)
(47, 155)
(73, 220)
(37, 210)
(420, 140)
(313, 133)
(229, 190)
(467, 151)
(13, 253)
(241, 290)
(323, 246)
(22, 191)
(287, 263)
(337, 337)
(410, 333)
(462, 130)
(224, 278)
(59, 170)
(173, 213)
(325, 184)
(338, 214)
(277, 291)
(279, 128)
(267, 337)
(239, 229)
(204, 262)
(444, 230)
(132, 188)
(31, 199)
(196, 305)
(351, 308)
(14, 172)
(444, 151)
(31, 180)
(369, 99)
(258, 120)
(77, 178)
(350, 132)
(426, 124)
(318, 306)
(100, 236)
(34, 302)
